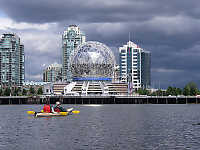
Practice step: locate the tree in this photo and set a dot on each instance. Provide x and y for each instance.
(173, 91)
(169, 90)
(24, 92)
(15, 92)
(193, 89)
(143, 91)
(146, 92)
(179, 91)
(1, 92)
(140, 91)
(7, 91)
(40, 91)
(32, 90)
(186, 90)
(190, 89)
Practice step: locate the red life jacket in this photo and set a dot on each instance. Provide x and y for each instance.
(47, 108)
(56, 109)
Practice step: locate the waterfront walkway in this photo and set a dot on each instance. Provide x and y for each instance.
(100, 99)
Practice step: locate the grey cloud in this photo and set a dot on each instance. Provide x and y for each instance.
(41, 11)
(169, 29)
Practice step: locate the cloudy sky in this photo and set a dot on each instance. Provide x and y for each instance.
(170, 30)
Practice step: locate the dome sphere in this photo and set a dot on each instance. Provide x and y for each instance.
(92, 60)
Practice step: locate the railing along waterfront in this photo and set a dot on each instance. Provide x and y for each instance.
(100, 99)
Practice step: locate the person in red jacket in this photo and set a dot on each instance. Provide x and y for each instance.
(47, 108)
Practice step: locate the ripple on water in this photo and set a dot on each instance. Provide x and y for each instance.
(102, 127)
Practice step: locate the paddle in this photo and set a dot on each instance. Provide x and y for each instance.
(75, 111)
(70, 110)
(63, 113)
(30, 112)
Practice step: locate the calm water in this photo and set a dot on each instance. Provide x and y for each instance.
(102, 127)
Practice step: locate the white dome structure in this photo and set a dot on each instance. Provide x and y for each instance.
(92, 61)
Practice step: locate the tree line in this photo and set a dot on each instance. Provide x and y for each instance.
(190, 89)
(20, 91)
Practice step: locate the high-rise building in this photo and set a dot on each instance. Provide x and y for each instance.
(146, 69)
(52, 73)
(135, 65)
(11, 60)
(71, 39)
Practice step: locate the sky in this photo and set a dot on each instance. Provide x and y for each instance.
(170, 30)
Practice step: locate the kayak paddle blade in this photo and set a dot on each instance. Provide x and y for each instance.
(30, 112)
(75, 111)
(63, 113)
(70, 109)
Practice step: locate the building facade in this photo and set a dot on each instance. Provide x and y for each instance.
(145, 69)
(52, 73)
(135, 65)
(11, 60)
(71, 39)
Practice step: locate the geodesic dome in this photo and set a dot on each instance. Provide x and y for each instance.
(92, 59)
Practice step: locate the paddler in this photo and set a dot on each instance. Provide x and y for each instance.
(47, 108)
(58, 108)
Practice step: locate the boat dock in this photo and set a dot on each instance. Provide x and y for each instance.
(100, 99)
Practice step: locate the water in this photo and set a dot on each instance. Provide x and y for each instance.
(149, 127)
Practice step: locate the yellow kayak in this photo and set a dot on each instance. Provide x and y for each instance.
(51, 114)
(44, 114)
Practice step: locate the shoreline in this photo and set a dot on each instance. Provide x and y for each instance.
(97, 99)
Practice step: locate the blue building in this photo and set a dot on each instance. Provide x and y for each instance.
(11, 60)
(135, 65)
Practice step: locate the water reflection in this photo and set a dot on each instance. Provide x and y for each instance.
(92, 105)
(106, 127)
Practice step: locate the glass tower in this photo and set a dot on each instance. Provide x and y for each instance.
(11, 60)
(71, 39)
(135, 64)
(146, 69)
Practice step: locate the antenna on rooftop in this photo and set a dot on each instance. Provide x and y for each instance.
(133, 38)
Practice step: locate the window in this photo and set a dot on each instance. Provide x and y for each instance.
(123, 51)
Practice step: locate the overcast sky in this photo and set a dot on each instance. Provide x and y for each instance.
(170, 30)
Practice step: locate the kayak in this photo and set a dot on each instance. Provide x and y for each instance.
(42, 114)
(52, 114)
